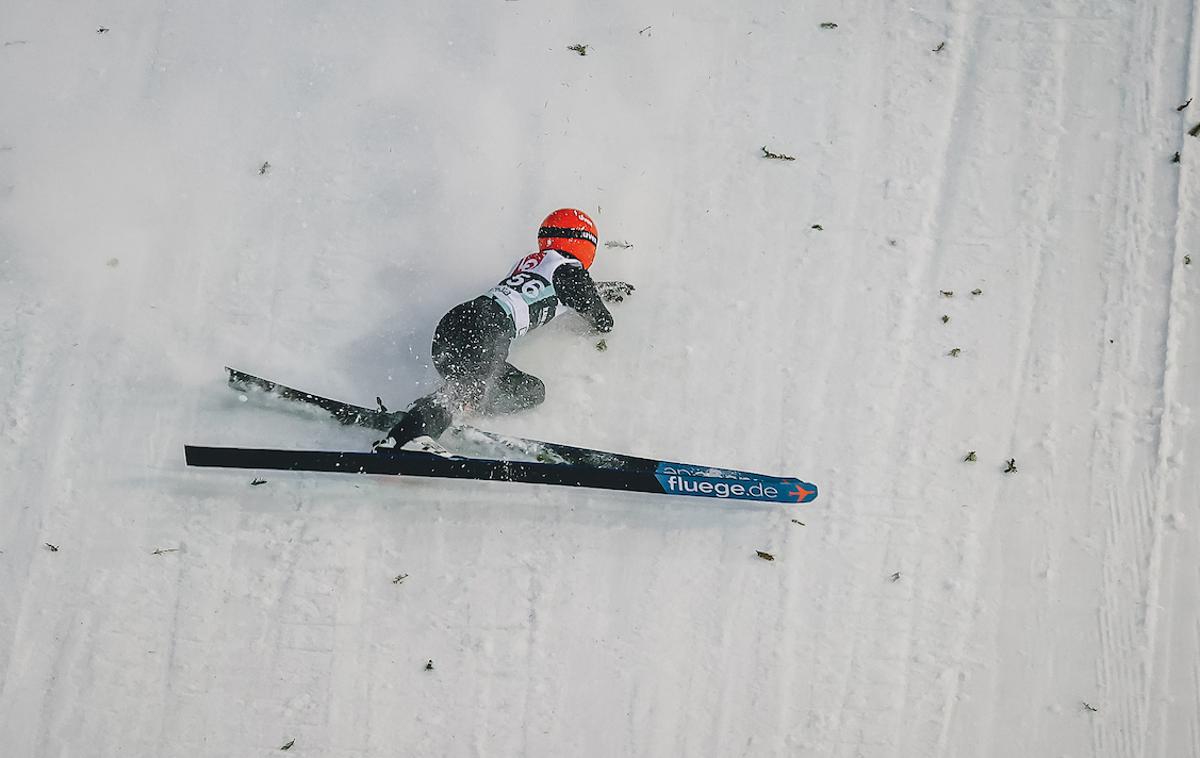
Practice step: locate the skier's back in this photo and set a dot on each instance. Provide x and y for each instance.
(471, 342)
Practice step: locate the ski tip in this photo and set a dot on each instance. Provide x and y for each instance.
(801, 492)
(678, 479)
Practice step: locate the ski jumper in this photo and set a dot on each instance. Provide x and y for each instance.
(471, 342)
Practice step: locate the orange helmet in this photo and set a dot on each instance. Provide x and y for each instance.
(569, 231)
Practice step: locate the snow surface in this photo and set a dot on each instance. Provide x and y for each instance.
(301, 188)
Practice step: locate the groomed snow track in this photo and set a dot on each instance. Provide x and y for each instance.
(981, 244)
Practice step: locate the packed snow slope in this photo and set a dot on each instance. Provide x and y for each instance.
(979, 246)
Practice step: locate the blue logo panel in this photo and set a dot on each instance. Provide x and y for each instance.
(732, 485)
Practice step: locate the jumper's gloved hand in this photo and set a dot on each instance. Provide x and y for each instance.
(577, 291)
(603, 322)
(614, 292)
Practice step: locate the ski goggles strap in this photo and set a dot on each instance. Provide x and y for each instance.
(566, 233)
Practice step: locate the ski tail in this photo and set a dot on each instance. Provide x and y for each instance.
(379, 419)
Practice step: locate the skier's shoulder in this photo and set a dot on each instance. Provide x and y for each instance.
(573, 283)
(569, 268)
(545, 261)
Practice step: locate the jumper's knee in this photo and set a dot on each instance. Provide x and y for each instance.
(515, 391)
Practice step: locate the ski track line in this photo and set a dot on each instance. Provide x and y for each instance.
(904, 543)
(741, 630)
(1114, 672)
(1136, 677)
(1183, 376)
(792, 714)
(878, 665)
(62, 668)
(170, 667)
(963, 30)
(1172, 397)
(532, 684)
(1034, 245)
(1132, 678)
(30, 372)
(47, 371)
(730, 695)
(873, 666)
(1041, 90)
(198, 645)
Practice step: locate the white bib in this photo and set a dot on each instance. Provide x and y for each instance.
(528, 295)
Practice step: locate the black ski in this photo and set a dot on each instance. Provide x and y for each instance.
(664, 478)
(381, 419)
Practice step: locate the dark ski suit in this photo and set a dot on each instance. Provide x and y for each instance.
(471, 343)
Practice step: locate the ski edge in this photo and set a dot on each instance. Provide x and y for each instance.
(667, 479)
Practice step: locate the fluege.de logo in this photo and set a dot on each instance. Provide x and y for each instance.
(681, 480)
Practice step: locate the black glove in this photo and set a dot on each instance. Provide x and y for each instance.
(603, 322)
(614, 292)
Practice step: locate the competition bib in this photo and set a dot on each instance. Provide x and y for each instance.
(528, 295)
